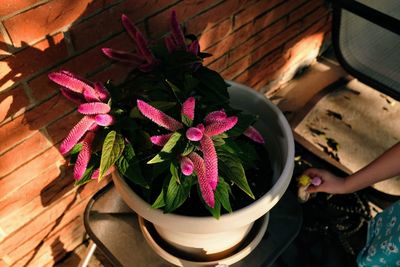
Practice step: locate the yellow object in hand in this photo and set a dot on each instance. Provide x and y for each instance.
(304, 180)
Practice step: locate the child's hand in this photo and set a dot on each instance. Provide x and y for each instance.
(330, 183)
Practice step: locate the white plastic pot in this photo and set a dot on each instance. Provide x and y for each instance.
(203, 237)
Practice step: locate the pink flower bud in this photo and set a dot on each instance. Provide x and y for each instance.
(186, 166)
(254, 135)
(194, 134)
(160, 140)
(188, 107)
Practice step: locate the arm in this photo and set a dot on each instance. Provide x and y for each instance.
(385, 166)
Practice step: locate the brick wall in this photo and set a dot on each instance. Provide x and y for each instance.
(258, 43)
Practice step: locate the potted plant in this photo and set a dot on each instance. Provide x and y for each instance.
(199, 157)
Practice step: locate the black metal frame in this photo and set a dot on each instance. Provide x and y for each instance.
(374, 16)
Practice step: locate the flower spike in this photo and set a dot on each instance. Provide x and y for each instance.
(72, 96)
(83, 156)
(94, 108)
(76, 134)
(210, 160)
(125, 57)
(254, 135)
(215, 116)
(177, 33)
(160, 140)
(194, 47)
(205, 187)
(158, 116)
(69, 81)
(101, 91)
(188, 107)
(219, 127)
(104, 119)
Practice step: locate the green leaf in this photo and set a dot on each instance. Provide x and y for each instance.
(188, 149)
(177, 192)
(218, 140)
(185, 120)
(74, 152)
(87, 176)
(231, 168)
(174, 88)
(113, 147)
(216, 211)
(128, 166)
(222, 194)
(213, 86)
(190, 83)
(159, 202)
(167, 149)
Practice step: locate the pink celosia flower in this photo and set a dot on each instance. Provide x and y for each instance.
(83, 156)
(76, 134)
(210, 160)
(176, 40)
(188, 107)
(158, 116)
(92, 99)
(254, 135)
(218, 127)
(160, 140)
(143, 58)
(94, 108)
(215, 116)
(205, 187)
(186, 166)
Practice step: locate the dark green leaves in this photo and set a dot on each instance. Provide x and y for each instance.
(176, 192)
(230, 166)
(113, 147)
(167, 149)
(221, 198)
(212, 86)
(128, 166)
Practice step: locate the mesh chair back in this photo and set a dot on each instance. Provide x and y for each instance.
(366, 38)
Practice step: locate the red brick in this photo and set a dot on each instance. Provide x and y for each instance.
(273, 43)
(11, 102)
(11, 6)
(252, 12)
(99, 27)
(22, 153)
(27, 124)
(32, 59)
(139, 10)
(230, 42)
(212, 36)
(303, 10)
(20, 242)
(55, 246)
(39, 192)
(44, 19)
(219, 64)
(116, 73)
(31, 170)
(213, 17)
(261, 39)
(3, 47)
(159, 24)
(276, 13)
(81, 65)
(263, 68)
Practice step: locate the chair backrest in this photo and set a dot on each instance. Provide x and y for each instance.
(366, 39)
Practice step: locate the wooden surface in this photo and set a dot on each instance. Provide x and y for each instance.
(340, 119)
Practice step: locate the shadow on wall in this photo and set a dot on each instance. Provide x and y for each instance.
(37, 197)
